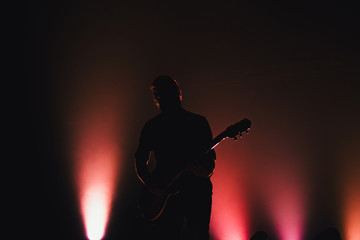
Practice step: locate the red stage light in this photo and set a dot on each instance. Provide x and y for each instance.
(95, 211)
(351, 194)
(96, 163)
(229, 211)
(352, 215)
(285, 197)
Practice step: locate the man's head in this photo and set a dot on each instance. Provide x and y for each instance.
(166, 93)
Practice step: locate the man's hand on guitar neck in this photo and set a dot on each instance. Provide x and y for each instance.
(202, 167)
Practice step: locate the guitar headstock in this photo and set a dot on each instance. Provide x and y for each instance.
(238, 128)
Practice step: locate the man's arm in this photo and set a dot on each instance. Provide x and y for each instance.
(142, 156)
(204, 166)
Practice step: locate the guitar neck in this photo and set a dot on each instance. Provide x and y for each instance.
(215, 142)
(232, 131)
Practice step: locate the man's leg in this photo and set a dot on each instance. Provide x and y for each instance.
(197, 214)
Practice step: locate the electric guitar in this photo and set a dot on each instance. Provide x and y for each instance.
(153, 199)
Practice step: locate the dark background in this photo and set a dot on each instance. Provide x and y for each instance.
(292, 68)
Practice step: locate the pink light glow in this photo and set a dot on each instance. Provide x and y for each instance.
(96, 165)
(351, 183)
(284, 194)
(352, 215)
(95, 212)
(229, 215)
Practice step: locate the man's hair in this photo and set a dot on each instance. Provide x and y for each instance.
(165, 86)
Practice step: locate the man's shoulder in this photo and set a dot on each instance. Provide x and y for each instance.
(182, 115)
(153, 120)
(195, 116)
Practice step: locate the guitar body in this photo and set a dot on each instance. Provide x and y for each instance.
(153, 199)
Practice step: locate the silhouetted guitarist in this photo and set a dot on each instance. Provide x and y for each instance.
(174, 137)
